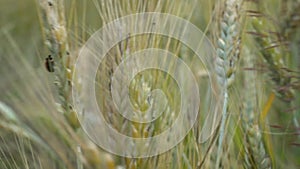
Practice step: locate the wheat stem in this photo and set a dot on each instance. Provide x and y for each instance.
(222, 127)
(79, 155)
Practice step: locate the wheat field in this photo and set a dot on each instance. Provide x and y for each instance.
(250, 81)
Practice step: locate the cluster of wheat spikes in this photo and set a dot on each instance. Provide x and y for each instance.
(257, 66)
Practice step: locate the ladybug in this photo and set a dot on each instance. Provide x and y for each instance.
(49, 63)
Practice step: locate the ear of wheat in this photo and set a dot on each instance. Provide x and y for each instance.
(273, 51)
(255, 151)
(228, 49)
(54, 22)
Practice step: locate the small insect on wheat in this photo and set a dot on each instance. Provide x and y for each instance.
(50, 3)
(49, 63)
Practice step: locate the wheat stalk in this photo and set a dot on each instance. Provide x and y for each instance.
(273, 55)
(256, 156)
(53, 16)
(54, 26)
(142, 85)
(273, 51)
(228, 44)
